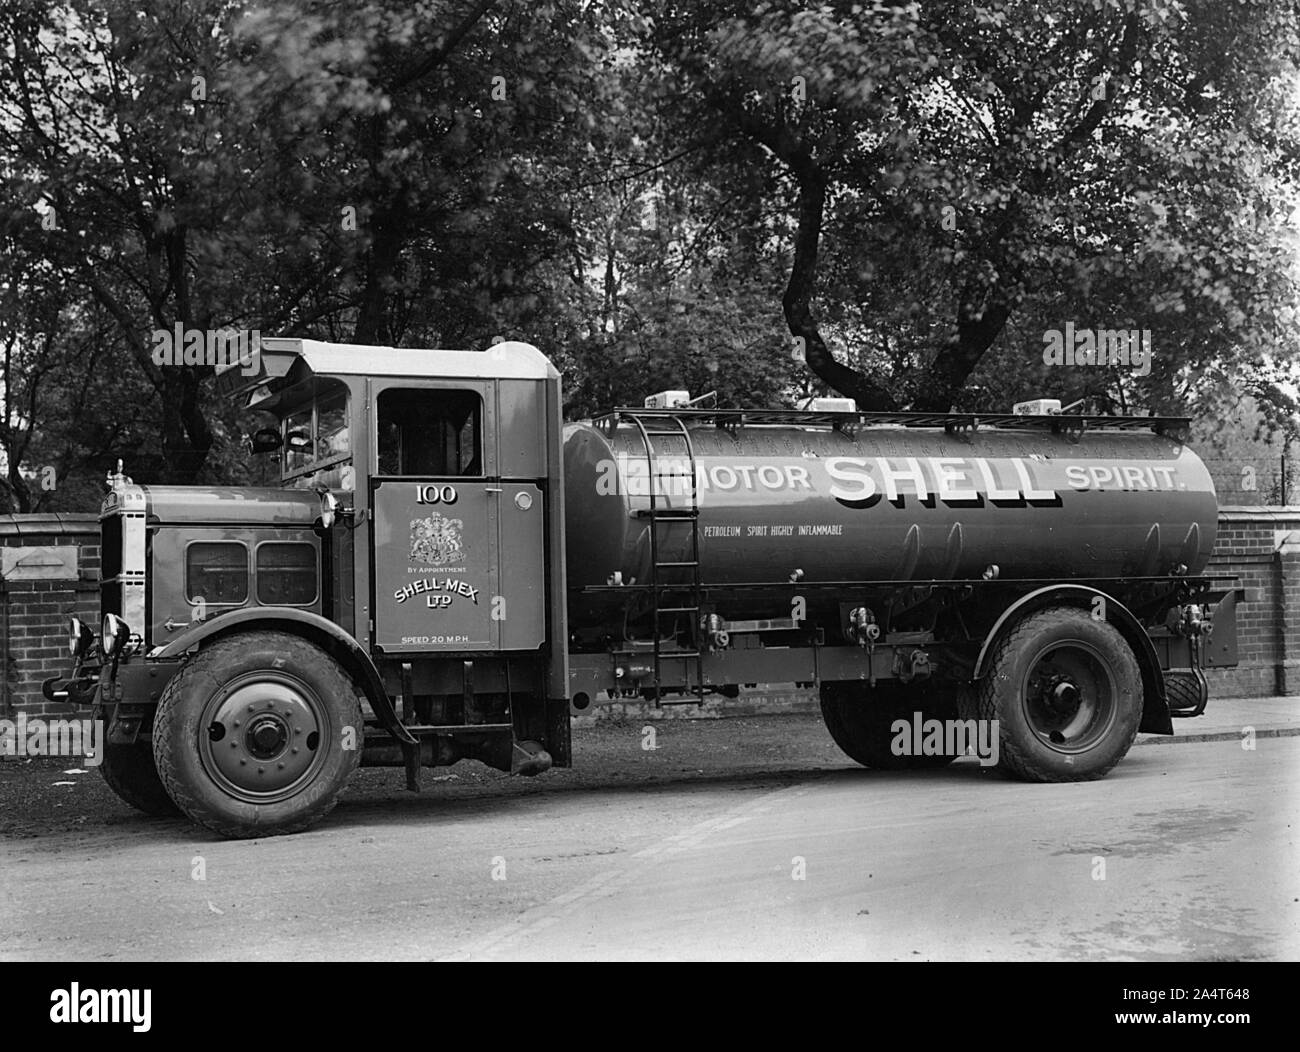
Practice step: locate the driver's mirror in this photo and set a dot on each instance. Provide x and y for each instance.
(265, 440)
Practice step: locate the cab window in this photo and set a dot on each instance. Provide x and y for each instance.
(297, 441)
(317, 447)
(332, 427)
(429, 431)
(286, 573)
(216, 572)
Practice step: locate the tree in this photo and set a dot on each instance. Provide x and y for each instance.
(952, 168)
(66, 399)
(378, 174)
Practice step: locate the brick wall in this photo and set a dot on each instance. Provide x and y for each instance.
(1262, 547)
(50, 573)
(51, 570)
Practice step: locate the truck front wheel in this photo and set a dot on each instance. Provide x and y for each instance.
(1066, 691)
(258, 734)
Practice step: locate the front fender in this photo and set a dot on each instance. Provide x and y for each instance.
(311, 626)
(1155, 705)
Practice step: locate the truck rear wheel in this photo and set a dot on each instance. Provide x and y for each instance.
(860, 719)
(258, 734)
(131, 773)
(1066, 691)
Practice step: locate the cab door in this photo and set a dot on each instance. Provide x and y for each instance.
(457, 552)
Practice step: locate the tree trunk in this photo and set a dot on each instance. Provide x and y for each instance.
(388, 233)
(797, 303)
(15, 497)
(981, 316)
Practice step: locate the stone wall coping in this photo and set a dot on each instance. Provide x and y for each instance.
(1248, 513)
(57, 523)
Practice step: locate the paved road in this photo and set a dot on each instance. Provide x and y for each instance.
(1198, 844)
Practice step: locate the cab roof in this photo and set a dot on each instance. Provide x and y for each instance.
(283, 361)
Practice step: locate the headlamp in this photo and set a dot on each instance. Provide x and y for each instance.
(114, 635)
(79, 637)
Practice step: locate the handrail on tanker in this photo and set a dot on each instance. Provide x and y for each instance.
(1175, 427)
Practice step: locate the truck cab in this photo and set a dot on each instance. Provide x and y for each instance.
(396, 599)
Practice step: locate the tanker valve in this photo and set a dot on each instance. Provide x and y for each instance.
(991, 572)
(1189, 620)
(863, 629)
(716, 635)
(915, 666)
(796, 576)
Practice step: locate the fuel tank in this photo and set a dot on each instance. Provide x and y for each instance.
(886, 503)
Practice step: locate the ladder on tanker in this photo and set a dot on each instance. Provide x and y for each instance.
(670, 599)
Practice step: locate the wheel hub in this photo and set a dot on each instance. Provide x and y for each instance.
(267, 736)
(1070, 697)
(263, 737)
(1063, 697)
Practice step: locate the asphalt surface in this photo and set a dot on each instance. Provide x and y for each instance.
(732, 839)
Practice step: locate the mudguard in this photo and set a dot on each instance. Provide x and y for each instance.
(1155, 705)
(310, 626)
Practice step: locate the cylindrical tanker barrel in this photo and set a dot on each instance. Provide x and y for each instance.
(884, 503)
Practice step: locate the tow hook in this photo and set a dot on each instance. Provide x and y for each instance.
(1194, 623)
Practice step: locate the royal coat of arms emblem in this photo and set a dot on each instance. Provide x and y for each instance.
(436, 540)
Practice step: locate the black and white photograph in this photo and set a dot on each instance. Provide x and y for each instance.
(564, 481)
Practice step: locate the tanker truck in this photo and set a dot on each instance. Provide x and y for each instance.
(447, 570)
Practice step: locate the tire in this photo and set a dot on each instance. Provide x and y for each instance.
(257, 695)
(1183, 694)
(860, 720)
(1066, 691)
(131, 773)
